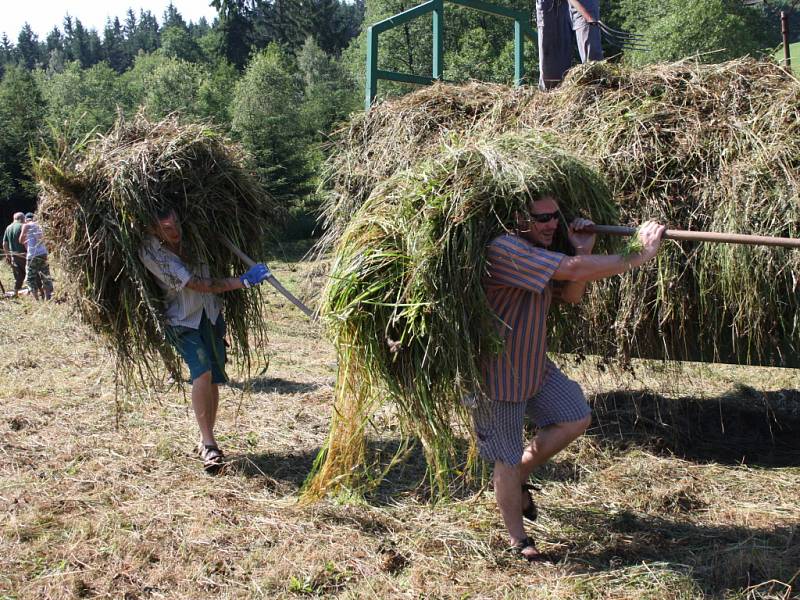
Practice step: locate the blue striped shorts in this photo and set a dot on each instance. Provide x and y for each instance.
(499, 425)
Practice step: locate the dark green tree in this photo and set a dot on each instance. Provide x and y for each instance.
(266, 109)
(28, 47)
(215, 95)
(177, 42)
(236, 30)
(21, 116)
(115, 48)
(173, 18)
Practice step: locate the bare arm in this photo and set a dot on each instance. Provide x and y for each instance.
(23, 234)
(572, 291)
(594, 267)
(214, 285)
(581, 9)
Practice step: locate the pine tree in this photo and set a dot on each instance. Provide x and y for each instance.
(28, 47)
(266, 110)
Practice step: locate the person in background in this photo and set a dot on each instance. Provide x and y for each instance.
(37, 269)
(557, 21)
(522, 277)
(196, 323)
(14, 251)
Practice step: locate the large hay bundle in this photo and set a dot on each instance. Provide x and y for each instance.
(704, 147)
(404, 303)
(97, 201)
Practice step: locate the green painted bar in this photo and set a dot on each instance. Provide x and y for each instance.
(522, 29)
(519, 53)
(529, 31)
(405, 77)
(404, 17)
(372, 68)
(438, 38)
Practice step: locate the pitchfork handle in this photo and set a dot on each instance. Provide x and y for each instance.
(274, 282)
(703, 236)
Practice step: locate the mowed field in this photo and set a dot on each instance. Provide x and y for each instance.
(686, 486)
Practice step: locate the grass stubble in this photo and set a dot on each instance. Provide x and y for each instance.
(92, 510)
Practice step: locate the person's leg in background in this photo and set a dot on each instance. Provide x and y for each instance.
(555, 41)
(590, 43)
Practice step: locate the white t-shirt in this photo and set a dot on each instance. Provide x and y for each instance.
(184, 306)
(33, 241)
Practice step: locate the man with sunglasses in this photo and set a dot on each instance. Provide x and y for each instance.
(521, 381)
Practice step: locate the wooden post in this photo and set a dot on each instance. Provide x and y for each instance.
(787, 55)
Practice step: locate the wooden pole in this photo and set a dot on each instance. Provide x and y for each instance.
(787, 56)
(703, 236)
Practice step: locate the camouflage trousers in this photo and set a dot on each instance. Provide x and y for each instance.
(38, 274)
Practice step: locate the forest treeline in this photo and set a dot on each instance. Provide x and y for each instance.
(279, 75)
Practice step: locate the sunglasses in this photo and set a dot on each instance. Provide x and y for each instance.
(544, 217)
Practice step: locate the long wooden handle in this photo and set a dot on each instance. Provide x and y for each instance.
(703, 236)
(271, 279)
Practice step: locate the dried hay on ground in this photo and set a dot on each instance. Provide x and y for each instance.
(92, 508)
(704, 147)
(97, 201)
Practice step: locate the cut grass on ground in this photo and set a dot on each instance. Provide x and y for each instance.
(686, 486)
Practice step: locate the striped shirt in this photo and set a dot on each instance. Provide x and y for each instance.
(184, 306)
(517, 286)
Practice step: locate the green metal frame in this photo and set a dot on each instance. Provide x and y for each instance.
(522, 28)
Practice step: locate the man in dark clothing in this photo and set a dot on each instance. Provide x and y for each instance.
(557, 21)
(14, 251)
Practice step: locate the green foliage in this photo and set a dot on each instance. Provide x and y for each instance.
(22, 111)
(87, 99)
(215, 96)
(717, 30)
(174, 86)
(266, 110)
(177, 42)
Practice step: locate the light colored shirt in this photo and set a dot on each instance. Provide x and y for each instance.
(518, 289)
(184, 306)
(34, 241)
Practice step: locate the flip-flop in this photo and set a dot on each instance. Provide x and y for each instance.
(213, 458)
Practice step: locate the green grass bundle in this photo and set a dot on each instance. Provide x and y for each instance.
(702, 147)
(97, 200)
(404, 303)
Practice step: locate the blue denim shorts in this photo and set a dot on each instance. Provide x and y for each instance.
(202, 349)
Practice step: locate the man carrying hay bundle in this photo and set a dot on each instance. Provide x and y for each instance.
(196, 325)
(523, 276)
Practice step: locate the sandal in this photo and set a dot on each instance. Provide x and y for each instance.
(518, 549)
(530, 512)
(213, 458)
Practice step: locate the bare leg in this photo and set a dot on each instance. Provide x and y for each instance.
(204, 407)
(548, 442)
(506, 492)
(214, 404)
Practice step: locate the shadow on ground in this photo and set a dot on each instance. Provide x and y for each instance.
(275, 385)
(718, 558)
(754, 428)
